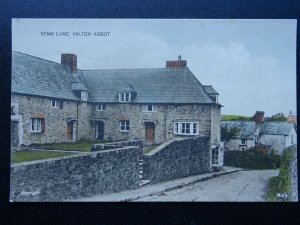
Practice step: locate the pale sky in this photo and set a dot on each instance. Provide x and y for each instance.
(251, 63)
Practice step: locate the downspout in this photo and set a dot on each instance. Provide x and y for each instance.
(165, 118)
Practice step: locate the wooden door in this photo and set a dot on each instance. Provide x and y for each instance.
(70, 131)
(150, 129)
(100, 130)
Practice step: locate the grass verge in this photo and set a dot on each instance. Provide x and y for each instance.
(149, 148)
(24, 156)
(80, 146)
(278, 187)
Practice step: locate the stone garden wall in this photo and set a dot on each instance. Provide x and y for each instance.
(176, 159)
(80, 175)
(294, 176)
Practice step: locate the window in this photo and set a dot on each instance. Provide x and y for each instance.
(100, 107)
(56, 104)
(37, 125)
(124, 125)
(186, 128)
(148, 108)
(84, 95)
(124, 97)
(215, 156)
(292, 139)
(243, 141)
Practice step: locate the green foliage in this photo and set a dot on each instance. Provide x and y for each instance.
(149, 148)
(277, 117)
(282, 183)
(24, 156)
(228, 133)
(236, 118)
(251, 159)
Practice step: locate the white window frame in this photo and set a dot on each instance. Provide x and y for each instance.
(56, 104)
(84, 96)
(186, 128)
(243, 141)
(36, 125)
(101, 107)
(145, 108)
(124, 125)
(124, 97)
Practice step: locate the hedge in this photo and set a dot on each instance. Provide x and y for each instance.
(252, 159)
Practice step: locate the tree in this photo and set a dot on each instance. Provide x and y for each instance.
(278, 117)
(229, 133)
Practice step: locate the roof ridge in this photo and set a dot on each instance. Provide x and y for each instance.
(150, 68)
(37, 57)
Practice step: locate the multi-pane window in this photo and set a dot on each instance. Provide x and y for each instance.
(36, 125)
(186, 128)
(243, 141)
(124, 97)
(100, 107)
(124, 125)
(56, 104)
(84, 95)
(148, 108)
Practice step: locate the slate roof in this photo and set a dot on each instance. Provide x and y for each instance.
(162, 85)
(209, 89)
(281, 128)
(247, 129)
(35, 76)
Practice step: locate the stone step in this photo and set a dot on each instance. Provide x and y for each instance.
(144, 182)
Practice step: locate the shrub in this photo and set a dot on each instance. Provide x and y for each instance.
(280, 185)
(252, 159)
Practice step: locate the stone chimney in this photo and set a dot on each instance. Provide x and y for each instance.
(176, 63)
(259, 117)
(69, 60)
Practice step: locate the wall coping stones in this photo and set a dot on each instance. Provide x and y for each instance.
(117, 144)
(92, 154)
(160, 147)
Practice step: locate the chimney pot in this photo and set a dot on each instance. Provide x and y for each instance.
(69, 60)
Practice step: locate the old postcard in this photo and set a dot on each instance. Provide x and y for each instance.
(157, 110)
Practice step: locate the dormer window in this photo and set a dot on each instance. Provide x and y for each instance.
(84, 96)
(124, 97)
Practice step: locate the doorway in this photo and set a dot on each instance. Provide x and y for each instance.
(99, 130)
(150, 131)
(70, 131)
(14, 134)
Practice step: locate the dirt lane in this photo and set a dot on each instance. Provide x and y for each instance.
(243, 186)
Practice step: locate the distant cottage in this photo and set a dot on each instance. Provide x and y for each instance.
(53, 103)
(273, 135)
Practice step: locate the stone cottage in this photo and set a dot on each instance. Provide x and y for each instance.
(276, 135)
(57, 102)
